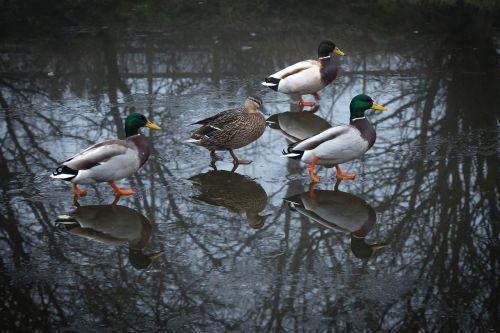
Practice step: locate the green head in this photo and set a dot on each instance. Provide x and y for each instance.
(135, 121)
(326, 47)
(360, 104)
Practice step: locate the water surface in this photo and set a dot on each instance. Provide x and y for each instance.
(411, 244)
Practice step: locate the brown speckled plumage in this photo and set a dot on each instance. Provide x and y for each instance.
(230, 129)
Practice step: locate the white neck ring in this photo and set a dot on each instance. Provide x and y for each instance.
(358, 118)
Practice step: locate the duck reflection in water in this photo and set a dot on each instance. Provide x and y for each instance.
(297, 126)
(340, 211)
(112, 225)
(233, 191)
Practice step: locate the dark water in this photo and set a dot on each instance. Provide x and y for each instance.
(412, 244)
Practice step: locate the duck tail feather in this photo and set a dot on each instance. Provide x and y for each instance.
(191, 140)
(272, 83)
(65, 173)
(293, 154)
(65, 219)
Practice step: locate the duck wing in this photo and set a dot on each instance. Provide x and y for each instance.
(219, 118)
(295, 68)
(314, 141)
(96, 154)
(216, 123)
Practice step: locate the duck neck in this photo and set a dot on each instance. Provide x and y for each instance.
(365, 129)
(131, 129)
(357, 113)
(251, 109)
(359, 118)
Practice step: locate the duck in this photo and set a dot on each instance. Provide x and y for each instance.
(110, 160)
(341, 212)
(338, 144)
(112, 225)
(230, 130)
(296, 126)
(308, 76)
(236, 192)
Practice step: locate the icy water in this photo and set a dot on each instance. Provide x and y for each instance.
(411, 244)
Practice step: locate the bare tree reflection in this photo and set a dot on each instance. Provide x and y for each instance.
(432, 179)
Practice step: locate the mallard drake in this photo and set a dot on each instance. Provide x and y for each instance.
(110, 160)
(338, 144)
(231, 129)
(308, 76)
(233, 191)
(296, 126)
(112, 225)
(341, 212)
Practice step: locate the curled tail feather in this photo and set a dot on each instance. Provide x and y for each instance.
(291, 153)
(272, 83)
(65, 173)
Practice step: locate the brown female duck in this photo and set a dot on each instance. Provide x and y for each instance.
(231, 129)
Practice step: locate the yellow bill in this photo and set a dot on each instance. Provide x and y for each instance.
(337, 51)
(375, 106)
(152, 126)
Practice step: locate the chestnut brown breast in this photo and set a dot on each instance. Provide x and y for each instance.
(367, 131)
(142, 145)
(328, 70)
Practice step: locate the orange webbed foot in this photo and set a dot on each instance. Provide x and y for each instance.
(304, 103)
(78, 192)
(342, 175)
(124, 191)
(121, 191)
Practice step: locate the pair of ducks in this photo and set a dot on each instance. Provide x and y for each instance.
(113, 160)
